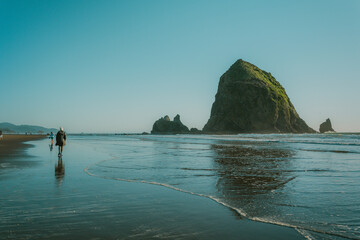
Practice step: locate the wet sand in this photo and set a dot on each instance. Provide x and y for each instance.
(41, 203)
(14, 145)
(13, 150)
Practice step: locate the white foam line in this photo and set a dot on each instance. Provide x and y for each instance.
(300, 230)
(241, 212)
(305, 234)
(238, 210)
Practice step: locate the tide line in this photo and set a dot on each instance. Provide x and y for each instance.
(301, 230)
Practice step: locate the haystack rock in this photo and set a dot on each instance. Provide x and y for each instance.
(165, 126)
(250, 100)
(326, 126)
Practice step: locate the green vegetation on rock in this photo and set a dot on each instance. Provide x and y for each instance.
(251, 100)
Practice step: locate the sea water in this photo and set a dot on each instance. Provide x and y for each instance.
(43, 196)
(309, 182)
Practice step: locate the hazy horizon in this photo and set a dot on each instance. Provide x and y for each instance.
(118, 66)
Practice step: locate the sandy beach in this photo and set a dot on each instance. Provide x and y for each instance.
(13, 145)
(38, 204)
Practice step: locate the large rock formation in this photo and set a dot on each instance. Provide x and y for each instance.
(165, 126)
(251, 100)
(326, 126)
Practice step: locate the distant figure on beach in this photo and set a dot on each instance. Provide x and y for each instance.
(1, 136)
(52, 138)
(60, 140)
(52, 141)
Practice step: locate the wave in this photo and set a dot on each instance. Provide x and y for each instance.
(304, 231)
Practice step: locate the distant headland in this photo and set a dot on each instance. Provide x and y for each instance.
(6, 127)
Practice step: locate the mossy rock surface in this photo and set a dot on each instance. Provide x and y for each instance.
(250, 100)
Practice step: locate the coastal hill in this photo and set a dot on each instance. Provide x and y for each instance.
(250, 100)
(6, 127)
(166, 126)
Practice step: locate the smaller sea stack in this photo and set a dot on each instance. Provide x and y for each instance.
(166, 126)
(326, 126)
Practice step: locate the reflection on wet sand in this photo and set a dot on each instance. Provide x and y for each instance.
(60, 171)
(251, 176)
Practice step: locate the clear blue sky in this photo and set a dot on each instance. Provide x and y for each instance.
(117, 66)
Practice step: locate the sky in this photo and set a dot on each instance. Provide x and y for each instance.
(118, 66)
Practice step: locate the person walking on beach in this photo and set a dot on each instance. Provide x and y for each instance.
(60, 140)
(52, 138)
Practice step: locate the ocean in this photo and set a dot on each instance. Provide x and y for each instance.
(305, 182)
(309, 182)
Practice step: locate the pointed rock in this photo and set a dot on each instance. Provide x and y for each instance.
(251, 100)
(326, 126)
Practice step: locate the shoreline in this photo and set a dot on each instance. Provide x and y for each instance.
(237, 211)
(127, 210)
(14, 145)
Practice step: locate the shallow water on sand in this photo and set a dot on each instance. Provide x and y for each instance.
(308, 182)
(51, 198)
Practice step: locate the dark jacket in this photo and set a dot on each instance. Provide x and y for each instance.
(60, 138)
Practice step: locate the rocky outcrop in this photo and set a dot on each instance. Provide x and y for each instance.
(251, 100)
(166, 126)
(195, 131)
(326, 126)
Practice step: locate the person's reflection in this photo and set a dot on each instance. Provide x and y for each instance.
(59, 170)
(51, 146)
